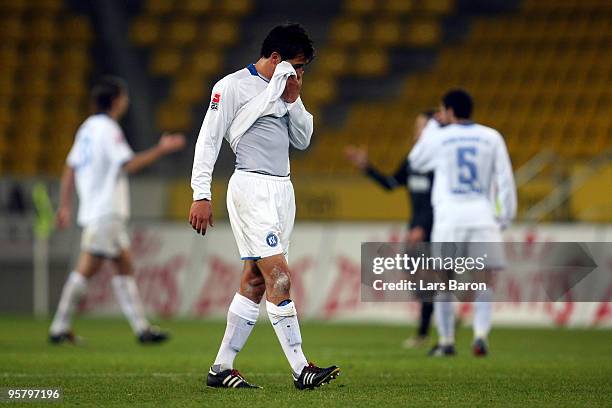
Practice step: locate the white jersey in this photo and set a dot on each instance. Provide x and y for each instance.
(229, 103)
(473, 180)
(97, 156)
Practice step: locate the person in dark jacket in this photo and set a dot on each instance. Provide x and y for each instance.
(418, 186)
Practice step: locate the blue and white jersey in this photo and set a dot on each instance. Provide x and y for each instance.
(245, 109)
(97, 157)
(473, 183)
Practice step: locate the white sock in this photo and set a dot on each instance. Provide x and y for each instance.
(444, 312)
(482, 314)
(74, 289)
(127, 295)
(285, 323)
(241, 318)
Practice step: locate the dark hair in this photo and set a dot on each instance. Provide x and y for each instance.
(460, 101)
(106, 90)
(289, 40)
(429, 113)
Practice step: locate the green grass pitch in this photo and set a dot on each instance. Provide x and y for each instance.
(536, 367)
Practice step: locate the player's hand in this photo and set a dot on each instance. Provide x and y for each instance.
(292, 89)
(357, 155)
(62, 218)
(201, 216)
(171, 142)
(415, 235)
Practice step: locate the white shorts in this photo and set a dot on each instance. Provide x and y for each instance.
(261, 211)
(473, 242)
(106, 237)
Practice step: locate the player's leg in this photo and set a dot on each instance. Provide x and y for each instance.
(483, 313)
(244, 309)
(444, 314)
(283, 316)
(425, 314)
(425, 319)
(128, 296)
(444, 307)
(488, 241)
(241, 318)
(281, 308)
(482, 321)
(73, 291)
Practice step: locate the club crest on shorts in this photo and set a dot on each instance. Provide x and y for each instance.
(272, 239)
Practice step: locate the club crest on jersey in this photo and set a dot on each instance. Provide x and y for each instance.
(272, 239)
(214, 103)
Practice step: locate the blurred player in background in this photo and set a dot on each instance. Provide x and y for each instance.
(99, 162)
(419, 189)
(472, 177)
(259, 111)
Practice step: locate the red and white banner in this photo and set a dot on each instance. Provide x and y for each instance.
(181, 274)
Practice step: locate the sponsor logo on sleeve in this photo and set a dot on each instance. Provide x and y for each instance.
(214, 103)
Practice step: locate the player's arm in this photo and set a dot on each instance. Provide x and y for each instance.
(218, 118)
(505, 186)
(65, 205)
(423, 154)
(398, 178)
(359, 157)
(168, 143)
(300, 120)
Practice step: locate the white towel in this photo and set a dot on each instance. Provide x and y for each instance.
(267, 103)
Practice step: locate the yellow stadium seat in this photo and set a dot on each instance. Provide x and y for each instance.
(219, 32)
(48, 6)
(70, 87)
(11, 29)
(6, 116)
(158, 7)
(13, 6)
(166, 61)
(145, 30)
(43, 30)
(7, 87)
(398, 7)
(76, 30)
(9, 58)
(30, 116)
(194, 7)
(318, 90)
(65, 118)
(76, 57)
(385, 32)
(423, 33)
(188, 89)
(347, 31)
(179, 32)
(236, 7)
(38, 58)
(205, 61)
(371, 62)
(35, 87)
(359, 6)
(173, 116)
(438, 6)
(332, 61)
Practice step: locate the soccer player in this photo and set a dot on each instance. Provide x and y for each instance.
(259, 111)
(99, 162)
(419, 189)
(474, 197)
